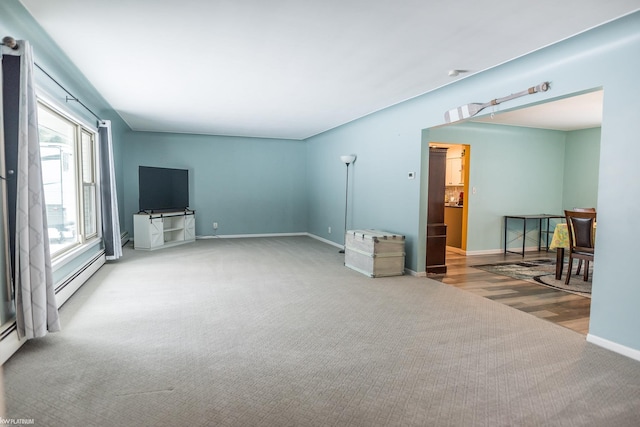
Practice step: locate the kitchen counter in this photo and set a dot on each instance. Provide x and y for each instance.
(452, 205)
(453, 219)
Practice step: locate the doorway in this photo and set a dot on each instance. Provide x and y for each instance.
(456, 189)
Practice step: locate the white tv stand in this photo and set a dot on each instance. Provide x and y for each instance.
(163, 229)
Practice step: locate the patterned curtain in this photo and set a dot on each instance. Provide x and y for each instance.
(36, 308)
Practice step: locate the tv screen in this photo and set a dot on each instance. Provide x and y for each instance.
(163, 189)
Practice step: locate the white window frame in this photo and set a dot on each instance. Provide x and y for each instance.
(93, 183)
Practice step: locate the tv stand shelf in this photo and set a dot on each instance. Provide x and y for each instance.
(163, 229)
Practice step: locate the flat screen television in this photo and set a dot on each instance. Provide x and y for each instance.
(163, 189)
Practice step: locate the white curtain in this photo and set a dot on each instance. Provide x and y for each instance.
(36, 308)
(110, 219)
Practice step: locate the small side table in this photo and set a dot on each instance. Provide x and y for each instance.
(541, 219)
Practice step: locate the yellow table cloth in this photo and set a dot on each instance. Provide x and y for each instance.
(560, 241)
(560, 237)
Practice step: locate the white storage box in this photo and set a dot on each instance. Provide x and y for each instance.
(374, 253)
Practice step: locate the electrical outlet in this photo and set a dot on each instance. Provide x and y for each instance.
(215, 225)
(329, 230)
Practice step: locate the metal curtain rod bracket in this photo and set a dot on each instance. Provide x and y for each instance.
(12, 44)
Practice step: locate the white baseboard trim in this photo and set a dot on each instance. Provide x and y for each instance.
(322, 239)
(615, 347)
(244, 236)
(241, 236)
(495, 251)
(485, 252)
(124, 238)
(415, 273)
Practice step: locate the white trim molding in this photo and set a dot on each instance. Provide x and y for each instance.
(415, 273)
(497, 251)
(615, 347)
(322, 239)
(243, 236)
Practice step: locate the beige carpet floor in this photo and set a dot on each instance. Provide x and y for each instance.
(277, 332)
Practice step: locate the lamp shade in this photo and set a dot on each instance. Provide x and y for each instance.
(349, 158)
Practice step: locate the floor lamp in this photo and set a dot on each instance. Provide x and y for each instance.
(347, 160)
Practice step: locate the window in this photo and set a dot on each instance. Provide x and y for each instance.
(89, 184)
(67, 151)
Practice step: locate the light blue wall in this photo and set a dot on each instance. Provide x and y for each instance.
(582, 159)
(388, 144)
(514, 170)
(381, 195)
(247, 185)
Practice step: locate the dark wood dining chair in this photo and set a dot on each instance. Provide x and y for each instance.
(582, 210)
(581, 242)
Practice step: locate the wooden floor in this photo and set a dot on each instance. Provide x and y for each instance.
(566, 309)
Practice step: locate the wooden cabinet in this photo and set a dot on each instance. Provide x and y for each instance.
(162, 230)
(436, 228)
(455, 166)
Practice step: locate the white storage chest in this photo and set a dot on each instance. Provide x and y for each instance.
(375, 253)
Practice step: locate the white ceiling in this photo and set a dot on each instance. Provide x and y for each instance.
(293, 68)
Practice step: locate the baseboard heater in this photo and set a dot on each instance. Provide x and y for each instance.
(8, 331)
(89, 265)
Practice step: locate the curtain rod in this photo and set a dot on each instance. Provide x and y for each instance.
(67, 99)
(11, 43)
